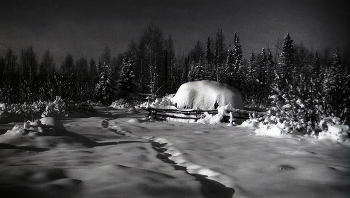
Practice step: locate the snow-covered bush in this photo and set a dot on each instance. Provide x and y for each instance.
(163, 103)
(121, 104)
(44, 109)
(217, 118)
(159, 103)
(269, 125)
(57, 107)
(44, 126)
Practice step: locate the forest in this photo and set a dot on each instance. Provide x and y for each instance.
(291, 80)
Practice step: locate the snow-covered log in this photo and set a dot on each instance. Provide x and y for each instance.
(207, 95)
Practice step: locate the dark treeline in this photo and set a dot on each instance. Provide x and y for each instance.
(150, 67)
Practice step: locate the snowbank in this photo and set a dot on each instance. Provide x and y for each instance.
(207, 95)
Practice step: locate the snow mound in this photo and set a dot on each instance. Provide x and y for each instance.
(207, 95)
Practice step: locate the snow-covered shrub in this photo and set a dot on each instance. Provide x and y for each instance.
(121, 104)
(333, 129)
(217, 118)
(44, 126)
(270, 125)
(298, 106)
(207, 95)
(163, 103)
(57, 107)
(30, 111)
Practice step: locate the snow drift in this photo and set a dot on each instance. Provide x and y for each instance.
(207, 95)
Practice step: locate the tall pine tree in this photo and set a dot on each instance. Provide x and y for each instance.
(285, 66)
(333, 85)
(126, 84)
(105, 88)
(237, 76)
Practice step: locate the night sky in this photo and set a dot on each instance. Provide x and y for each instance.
(85, 27)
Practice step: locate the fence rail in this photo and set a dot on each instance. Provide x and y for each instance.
(196, 114)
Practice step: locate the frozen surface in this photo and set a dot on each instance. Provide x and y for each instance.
(206, 95)
(132, 157)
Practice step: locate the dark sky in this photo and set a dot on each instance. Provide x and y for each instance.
(84, 27)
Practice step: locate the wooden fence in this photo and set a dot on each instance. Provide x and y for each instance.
(195, 114)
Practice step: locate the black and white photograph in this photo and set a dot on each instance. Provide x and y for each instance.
(174, 99)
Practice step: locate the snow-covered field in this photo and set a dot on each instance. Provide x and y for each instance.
(127, 156)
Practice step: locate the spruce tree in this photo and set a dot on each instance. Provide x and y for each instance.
(126, 85)
(29, 66)
(250, 79)
(346, 102)
(45, 77)
(219, 55)
(285, 66)
(209, 60)
(228, 73)
(208, 53)
(262, 77)
(105, 90)
(68, 73)
(333, 85)
(237, 61)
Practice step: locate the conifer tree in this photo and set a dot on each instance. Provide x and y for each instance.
(270, 76)
(219, 56)
(197, 71)
(126, 85)
(346, 102)
(105, 90)
(250, 79)
(82, 82)
(29, 66)
(237, 61)
(262, 74)
(333, 85)
(228, 72)
(208, 53)
(68, 78)
(45, 76)
(285, 67)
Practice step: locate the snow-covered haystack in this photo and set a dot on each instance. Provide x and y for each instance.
(207, 95)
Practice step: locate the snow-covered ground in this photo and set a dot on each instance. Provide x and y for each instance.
(128, 156)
